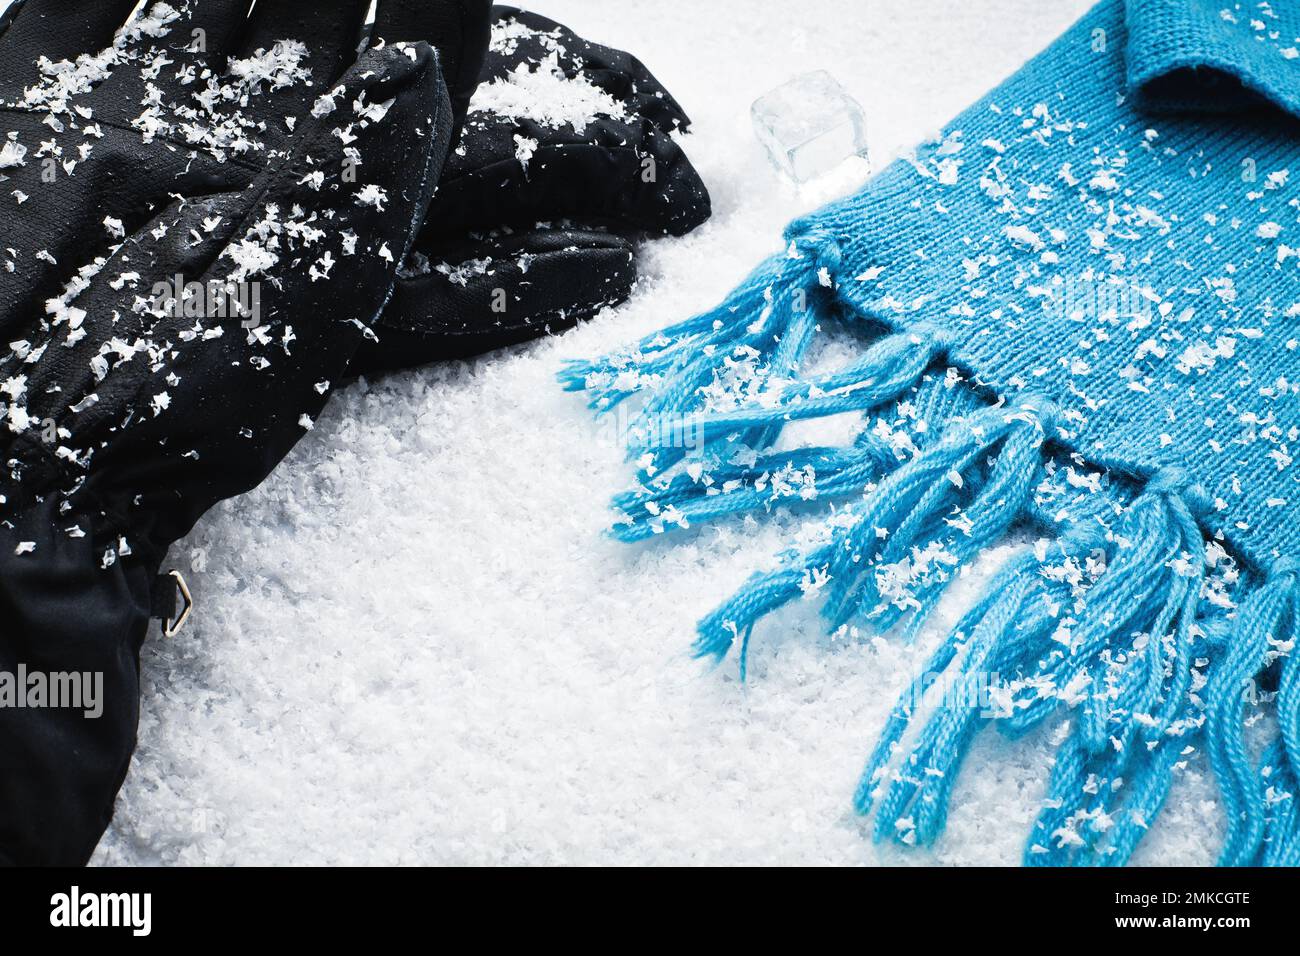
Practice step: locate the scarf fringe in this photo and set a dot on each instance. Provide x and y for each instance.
(767, 324)
(1260, 804)
(733, 473)
(1112, 618)
(944, 506)
(1101, 621)
(729, 488)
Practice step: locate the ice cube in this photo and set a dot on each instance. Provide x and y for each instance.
(810, 125)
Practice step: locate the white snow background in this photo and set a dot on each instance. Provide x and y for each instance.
(413, 643)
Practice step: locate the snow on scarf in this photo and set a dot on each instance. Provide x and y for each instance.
(1079, 312)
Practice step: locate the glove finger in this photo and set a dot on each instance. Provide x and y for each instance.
(619, 74)
(331, 32)
(530, 154)
(57, 30)
(467, 298)
(633, 176)
(458, 29)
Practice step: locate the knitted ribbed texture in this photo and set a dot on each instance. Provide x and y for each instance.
(1079, 313)
(1203, 55)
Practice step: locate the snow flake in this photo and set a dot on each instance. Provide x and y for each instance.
(12, 152)
(372, 195)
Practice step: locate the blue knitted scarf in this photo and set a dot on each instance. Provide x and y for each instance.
(1079, 314)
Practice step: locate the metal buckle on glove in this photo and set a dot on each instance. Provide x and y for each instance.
(171, 628)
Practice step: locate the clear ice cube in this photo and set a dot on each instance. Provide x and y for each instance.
(810, 125)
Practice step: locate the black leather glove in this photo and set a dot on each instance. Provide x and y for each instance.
(191, 151)
(565, 161)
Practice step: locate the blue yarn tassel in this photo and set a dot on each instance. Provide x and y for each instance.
(918, 499)
(693, 348)
(727, 478)
(770, 320)
(1266, 622)
(885, 372)
(1132, 722)
(836, 472)
(1282, 796)
(946, 498)
(1282, 770)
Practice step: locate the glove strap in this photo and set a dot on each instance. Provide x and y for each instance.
(170, 590)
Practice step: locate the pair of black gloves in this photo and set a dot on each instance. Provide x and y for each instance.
(208, 219)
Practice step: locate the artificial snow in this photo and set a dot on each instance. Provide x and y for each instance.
(12, 152)
(547, 97)
(413, 645)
